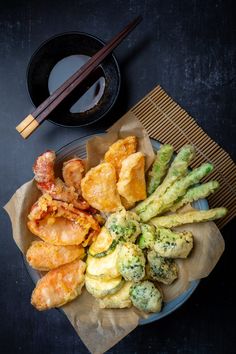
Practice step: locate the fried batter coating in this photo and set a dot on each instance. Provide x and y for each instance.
(123, 225)
(120, 150)
(118, 300)
(169, 221)
(73, 171)
(59, 223)
(59, 286)
(146, 297)
(172, 244)
(44, 256)
(163, 270)
(47, 183)
(127, 205)
(131, 262)
(131, 184)
(44, 167)
(99, 188)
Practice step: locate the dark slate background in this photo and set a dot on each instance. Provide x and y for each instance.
(189, 48)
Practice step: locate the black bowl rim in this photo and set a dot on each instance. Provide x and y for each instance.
(83, 34)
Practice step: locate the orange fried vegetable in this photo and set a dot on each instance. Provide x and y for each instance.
(47, 183)
(127, 205)
(73, 171)
(45, 256)
(131, 184)
(120, 150)
(59, 286)
(44, 167)
(59, 223)
(99, 188)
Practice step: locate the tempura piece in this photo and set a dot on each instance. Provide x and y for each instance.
(179, 188)
(59, 223)
(47, 182)
(131, 262)
(159, 167)
(120, 150)
(100, 288)
(195, 193)
(131, 184)
(164, 202)
(121, 298)
(73, 171)
(147, 237)
(99, 188)
(123, 225)
(163, 270)
(59, 286)
(44, 168)
(173, 220)
(44, 256)
(127, 205)
(146, 297)
(178, 169)
(170, 244)
(104, 268)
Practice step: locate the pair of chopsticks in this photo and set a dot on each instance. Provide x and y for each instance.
(33, 120)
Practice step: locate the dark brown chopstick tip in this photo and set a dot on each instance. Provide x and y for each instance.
(138, 19)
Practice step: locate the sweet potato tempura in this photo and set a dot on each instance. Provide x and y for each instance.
(99, 188)
(45, 256)
(59, 286)
(131, 184)
(120, 150)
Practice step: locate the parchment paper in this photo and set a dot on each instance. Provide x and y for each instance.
(207, 250)
(100, 329)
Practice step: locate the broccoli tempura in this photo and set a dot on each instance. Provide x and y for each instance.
(170, 244)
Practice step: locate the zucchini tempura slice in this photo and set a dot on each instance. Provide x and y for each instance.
(118, 300)
(59, 286)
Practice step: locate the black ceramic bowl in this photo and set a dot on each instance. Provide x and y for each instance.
(55, 60)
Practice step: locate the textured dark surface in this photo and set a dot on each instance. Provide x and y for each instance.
(189, 48)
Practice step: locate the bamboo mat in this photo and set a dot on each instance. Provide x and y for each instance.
(167, 122)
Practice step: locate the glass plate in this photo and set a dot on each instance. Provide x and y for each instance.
(78, 148)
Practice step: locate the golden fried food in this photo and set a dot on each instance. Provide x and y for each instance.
(99, 188)
(60, 223)
(131, 184)
(120, 150)
(127, 205)
(73, 171)
(45, 256)
(44, 167)
(59, 286)
(47, 183)
(118, 300)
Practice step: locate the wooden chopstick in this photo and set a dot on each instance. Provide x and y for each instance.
(33, 120)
